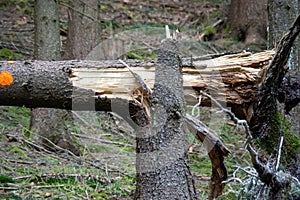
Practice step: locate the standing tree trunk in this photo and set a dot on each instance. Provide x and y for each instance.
(83, 35)
(248, 21)
(84, 29)
(281, 15)
(49, 124)
(162, 159)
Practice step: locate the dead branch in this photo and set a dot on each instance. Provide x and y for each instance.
(279, 153)
(216, 151)
(278, 181)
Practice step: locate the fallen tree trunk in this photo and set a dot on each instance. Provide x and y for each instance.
(90, 85)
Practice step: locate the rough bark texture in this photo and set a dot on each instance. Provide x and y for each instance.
(83, 30)
(47, 41)
(248, 20)
(49, 124)
(281, 15)
(162, 161)
(263, 120)
(268, 92)
(233, 78)
(110, 79)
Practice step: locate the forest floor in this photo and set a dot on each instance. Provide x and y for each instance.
(106, 170)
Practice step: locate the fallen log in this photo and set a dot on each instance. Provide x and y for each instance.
(96, 85)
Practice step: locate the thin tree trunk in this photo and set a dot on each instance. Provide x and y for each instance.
(83, 35)
(49, 124)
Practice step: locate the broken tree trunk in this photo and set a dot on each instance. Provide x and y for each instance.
(91, 85)
(162, 160)
(109, 86)
(263, 124)
(266, 107)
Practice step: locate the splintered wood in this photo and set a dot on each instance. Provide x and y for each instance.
(230, 78)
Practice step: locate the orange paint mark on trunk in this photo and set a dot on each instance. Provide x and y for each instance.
(6, 78)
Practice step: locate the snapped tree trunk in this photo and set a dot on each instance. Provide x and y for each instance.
(281, 15)
(266, 125)
(162, 160)
(58, 84)
(109, 86)
(49, 124)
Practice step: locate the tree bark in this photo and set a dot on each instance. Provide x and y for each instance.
(83, 30)
(267, 104)
(281, 15)
(162, 160)
(52, 84)
(49, 124)
(263, 123)
(248, 21)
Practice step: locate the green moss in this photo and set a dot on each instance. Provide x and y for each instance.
(291, 144)
(6, 179)
(132, 55)
(141, 55)
(209, 31)
(17, 150)
(7, 54)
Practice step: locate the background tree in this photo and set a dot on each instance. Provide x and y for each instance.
(83, 33)
(83, 30)
(248, 20)
(49, 124)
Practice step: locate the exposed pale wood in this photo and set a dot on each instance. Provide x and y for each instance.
(220, 73)
(230, 78)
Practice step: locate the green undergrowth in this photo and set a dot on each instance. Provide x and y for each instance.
(24, 6)
(12, 118)
(103, 172)
(141, 55)
(7, 54)
(65, 177)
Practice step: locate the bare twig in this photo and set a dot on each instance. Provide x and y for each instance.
(279, 153)
(197, 107)
(231, 115)
(201, 37)
(78, 11)
(84, 121)
(102, 140)
(64, 175)
(13, 186)
(58, 147)
(275, 180)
